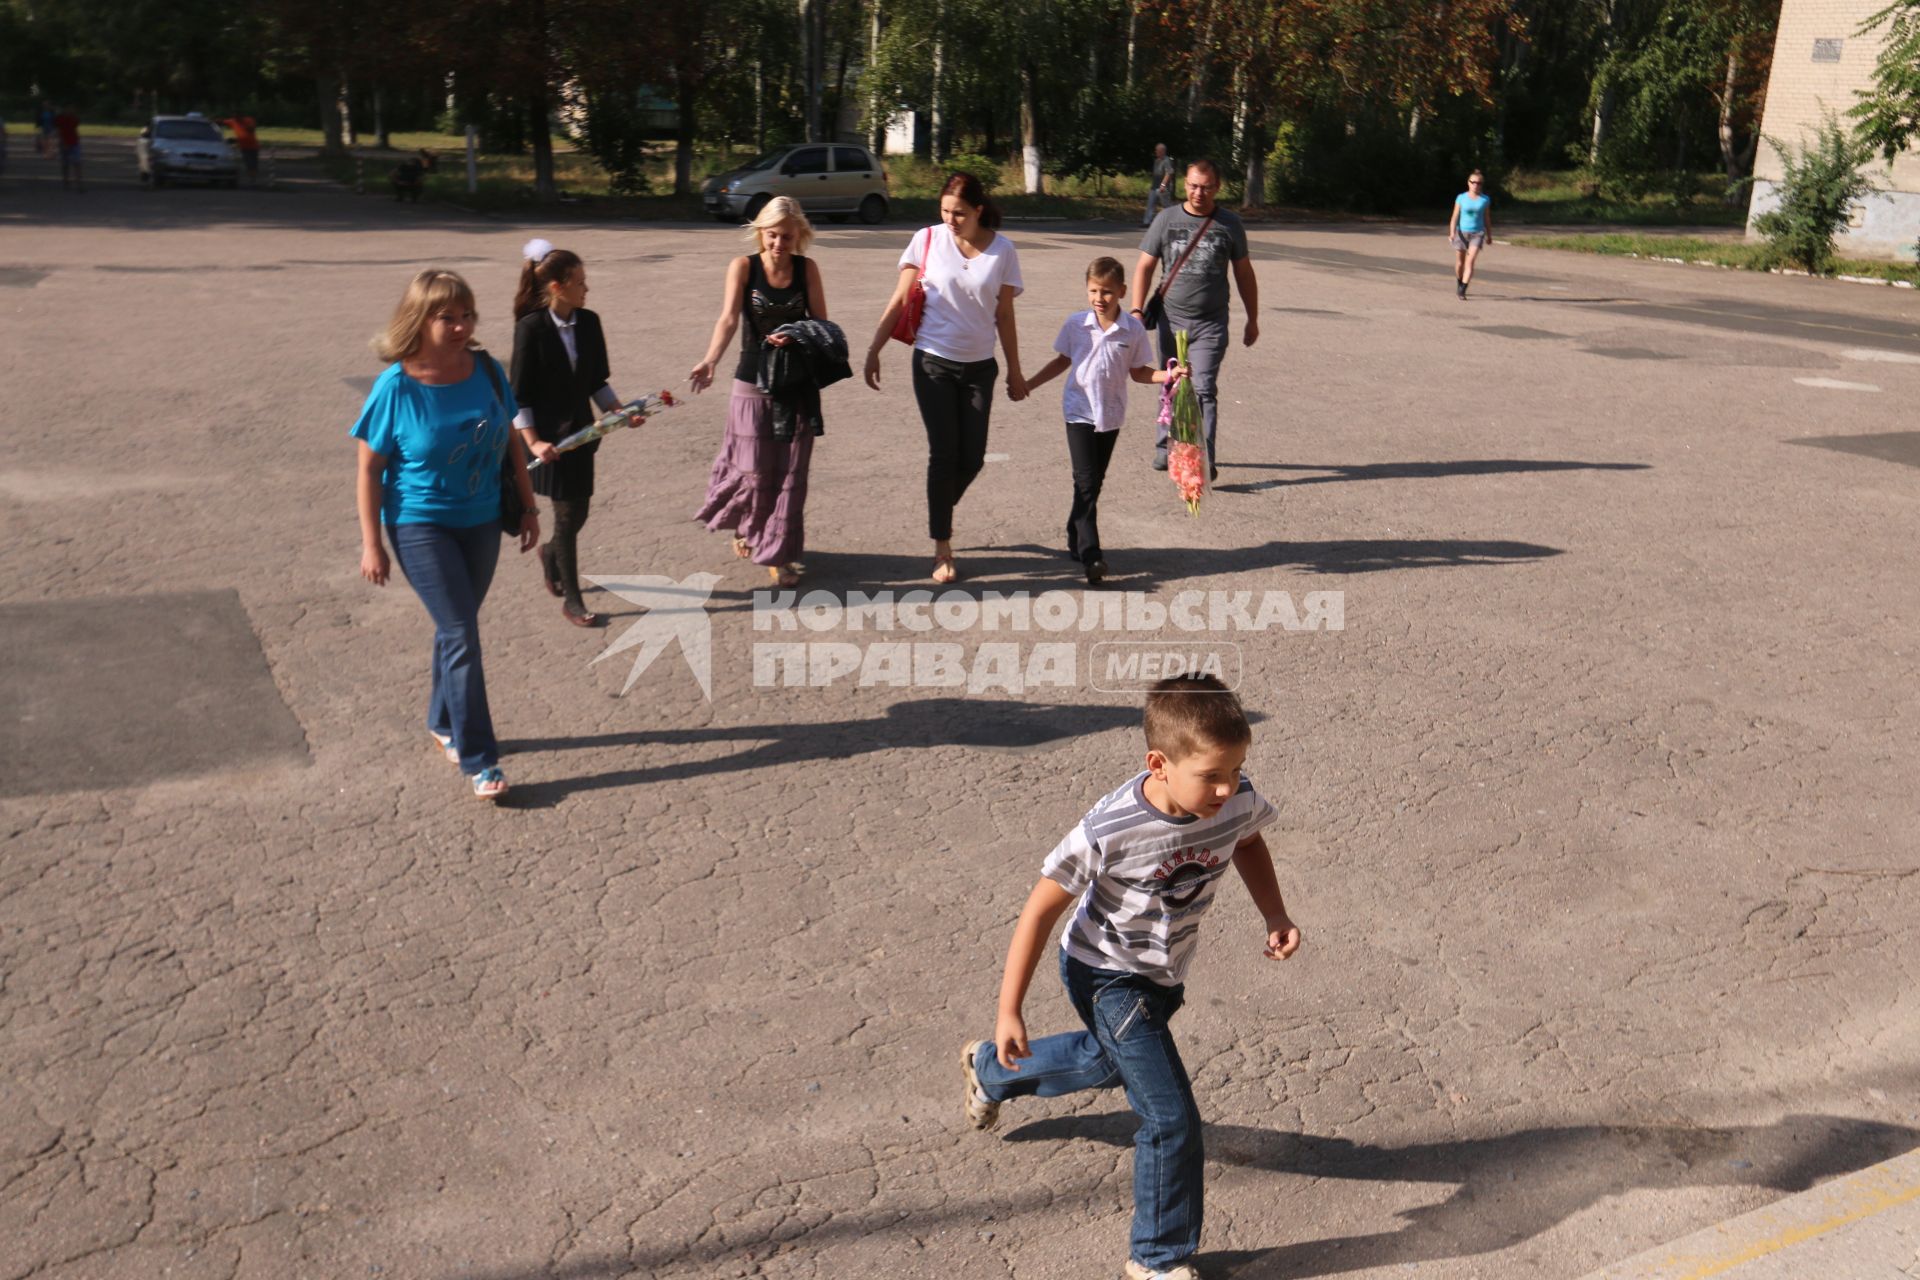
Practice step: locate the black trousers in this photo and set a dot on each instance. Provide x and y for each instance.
(1091, 451)
(955, 398)
(569, 517)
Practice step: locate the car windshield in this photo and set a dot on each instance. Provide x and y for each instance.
(186, 131)
(766, 161)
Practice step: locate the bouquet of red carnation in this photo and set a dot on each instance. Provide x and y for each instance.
(630, 414)
(1186, 438)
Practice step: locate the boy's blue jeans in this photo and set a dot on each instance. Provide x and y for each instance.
(450, 570)
(1127, 1042)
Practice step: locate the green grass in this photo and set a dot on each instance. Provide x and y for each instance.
(1739, 254)
(1559, 197)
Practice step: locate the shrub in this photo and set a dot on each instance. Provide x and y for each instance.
(1819, 184)
(988, 171)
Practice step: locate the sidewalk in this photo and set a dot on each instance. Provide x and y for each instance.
(1865, 1225)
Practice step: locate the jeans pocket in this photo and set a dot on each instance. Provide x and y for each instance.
(1132, 1013)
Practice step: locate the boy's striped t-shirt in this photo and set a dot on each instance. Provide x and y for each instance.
(1145, 879)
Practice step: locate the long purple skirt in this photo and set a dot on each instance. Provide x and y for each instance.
(758, 489)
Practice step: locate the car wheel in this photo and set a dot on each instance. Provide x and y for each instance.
(872, 210)
(755, 205)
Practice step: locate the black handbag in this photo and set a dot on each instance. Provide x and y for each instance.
(512, 510)
(1156, 309)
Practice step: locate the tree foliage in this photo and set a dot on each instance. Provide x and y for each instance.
(1889, 114)
(1819, 185)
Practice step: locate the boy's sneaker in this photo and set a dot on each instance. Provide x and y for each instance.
(982, 1113)
(1184, 1271)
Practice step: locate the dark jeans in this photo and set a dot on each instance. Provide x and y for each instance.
(955, 399)
(1126, 1043)
(1206, 351)
(1091, 451)
(450, 570)
(569, 517)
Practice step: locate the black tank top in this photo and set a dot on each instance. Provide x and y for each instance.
(765, 309)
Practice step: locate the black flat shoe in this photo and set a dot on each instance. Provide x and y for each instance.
(551, 574)
(1096, 571)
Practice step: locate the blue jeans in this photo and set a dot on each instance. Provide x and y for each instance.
(1127, 1042)
(450, 570)
(1207, 339)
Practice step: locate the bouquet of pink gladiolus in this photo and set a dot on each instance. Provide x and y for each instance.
(1186, 441)
(630, 414)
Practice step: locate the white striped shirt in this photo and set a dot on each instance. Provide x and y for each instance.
(1145, 879)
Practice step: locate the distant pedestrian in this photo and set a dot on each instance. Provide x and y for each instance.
(1469, 230)
(971, 275)
(560, 374)
(1160, 180)
(3, 148)
(757, 490)
(434, 453)
(1099, 349)
(1206, 244)
(66, 127)
(43, 128)
(246, 137)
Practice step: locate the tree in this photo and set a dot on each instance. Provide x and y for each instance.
(1889, 113)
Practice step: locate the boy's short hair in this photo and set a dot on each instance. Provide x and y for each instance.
(1106, 269)
(1186, 714)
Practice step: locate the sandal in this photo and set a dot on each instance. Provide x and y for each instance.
(584, 618)
(945, 570)
(490, 783)
(740, 547)
(445, 745)
(783, 575)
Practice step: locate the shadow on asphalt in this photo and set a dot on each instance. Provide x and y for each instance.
(1511, 1187)
(926, 722)
(1507, 1189)
(1335, 473)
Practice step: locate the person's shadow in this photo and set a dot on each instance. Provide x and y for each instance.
(994, 724)
(1510, 1187)
(1341, 473)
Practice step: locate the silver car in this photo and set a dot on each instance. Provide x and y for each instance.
(827, 178)
(175, 147)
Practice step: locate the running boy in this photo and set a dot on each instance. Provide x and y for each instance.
(1142, 867)
(1103, 347)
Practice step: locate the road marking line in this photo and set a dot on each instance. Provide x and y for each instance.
(1836, 384)
(1877, 1202)
(1886, 357)
(1002, 457)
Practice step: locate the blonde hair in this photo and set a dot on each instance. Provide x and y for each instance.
(776, 211)
(426, 294)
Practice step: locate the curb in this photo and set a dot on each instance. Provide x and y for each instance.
(1867, 1223)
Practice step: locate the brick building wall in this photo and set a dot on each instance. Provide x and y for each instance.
(1820, 65)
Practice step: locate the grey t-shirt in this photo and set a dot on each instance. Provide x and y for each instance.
(1201, 287)
(1163, 172)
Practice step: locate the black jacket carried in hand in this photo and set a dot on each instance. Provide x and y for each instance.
(560, 394)
(793, 375)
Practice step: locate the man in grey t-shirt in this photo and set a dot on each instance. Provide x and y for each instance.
(1196, 300)
(1160, 183)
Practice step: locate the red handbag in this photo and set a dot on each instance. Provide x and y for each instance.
(906, 325)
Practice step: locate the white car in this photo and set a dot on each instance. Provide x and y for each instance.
(191, 146)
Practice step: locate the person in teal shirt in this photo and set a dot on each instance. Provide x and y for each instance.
(1469, 230)
(434, 446)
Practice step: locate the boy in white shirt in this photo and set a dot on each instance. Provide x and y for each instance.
(1103, 347)
(1139, 870)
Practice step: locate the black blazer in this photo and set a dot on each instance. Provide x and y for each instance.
(560, 397)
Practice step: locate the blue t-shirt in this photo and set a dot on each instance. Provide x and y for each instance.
(1473, 213)
(443, 446)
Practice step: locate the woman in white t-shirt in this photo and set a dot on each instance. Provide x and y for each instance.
(971, 275)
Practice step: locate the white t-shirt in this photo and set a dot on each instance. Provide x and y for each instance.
(1144, 879)
(1103, 363)
(962, 292)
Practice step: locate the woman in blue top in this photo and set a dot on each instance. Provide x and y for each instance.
(1469, 230)
(433, 436)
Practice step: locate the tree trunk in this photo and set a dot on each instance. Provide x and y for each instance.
(1133, 34)
(1030, 132)
(543, 188)
(759, 106)
(683, 142)
(937, 114)
(1603, 109)
(383, 139)
(813, 30)
(1729, 149)
(878, 116)
(330, 137)
(1413, 125)
(1602, 113)
(1254, 141)
(1197, 79)
(346, 116)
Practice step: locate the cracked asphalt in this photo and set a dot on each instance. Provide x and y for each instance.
(1598, 814)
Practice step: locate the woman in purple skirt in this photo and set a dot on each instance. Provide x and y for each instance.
(758, 489)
